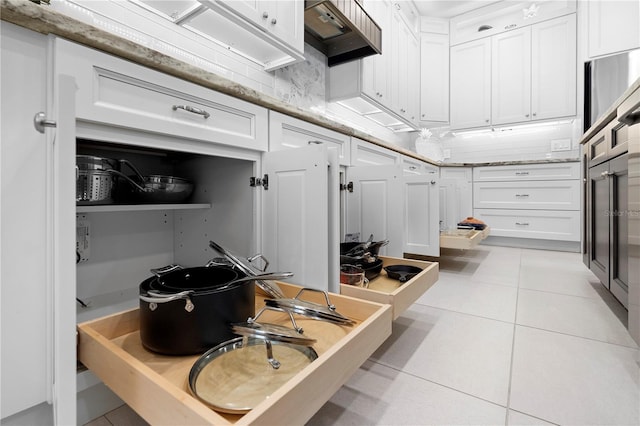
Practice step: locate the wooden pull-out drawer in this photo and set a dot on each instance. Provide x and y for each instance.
(156, 386)
(400, 296)
(462, 239)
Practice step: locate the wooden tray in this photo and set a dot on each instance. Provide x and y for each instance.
(399, 295)
(463, 239)
(156, 386)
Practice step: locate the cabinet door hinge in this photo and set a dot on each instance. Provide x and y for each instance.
(347, 187)
(256, 181)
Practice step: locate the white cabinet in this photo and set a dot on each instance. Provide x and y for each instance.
(382, 87)
(471, 84)
(434, 77)
(613, 26)
(286, 132)
(531, 201)
(456, 196)
(532, 75)
(124, 94)
(511, 76)
(375, 205)
(26, 225)
(421, 208)
(553, 68)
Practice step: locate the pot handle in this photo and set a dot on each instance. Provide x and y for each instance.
(264, 259)
(132, 167)
(326, 296)
(131, 181)
(154, 298)
(158, 272)
(271, 308)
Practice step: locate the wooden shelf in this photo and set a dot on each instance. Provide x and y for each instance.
(139, 207)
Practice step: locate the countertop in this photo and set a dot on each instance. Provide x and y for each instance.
(42, 19)
(610, 114)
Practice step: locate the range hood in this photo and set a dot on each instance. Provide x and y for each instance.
(341, 29)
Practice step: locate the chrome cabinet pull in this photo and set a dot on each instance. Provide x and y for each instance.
(194, 110)
(40, 122)
(522, 173)
(522, 195)
(522, 223)
(273, 21)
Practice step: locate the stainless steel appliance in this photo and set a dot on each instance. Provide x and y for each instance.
(606, 79)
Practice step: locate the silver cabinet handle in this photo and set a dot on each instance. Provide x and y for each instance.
(526, 115)
(40, 122)
(522, 223)
(522, 173)
(522, 195)
(315, 142)
(486, 121)
(273, 21)
(194, 110)
(534, 114)
(265, 15)
(433, 182)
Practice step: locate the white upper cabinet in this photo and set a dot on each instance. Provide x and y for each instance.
(613, 26)
(553, 68)
(283, 19)
(434, 77)
(375, 68)
(531, 75)
(511, 76)
(471, 84)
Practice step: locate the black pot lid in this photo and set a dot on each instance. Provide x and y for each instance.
(309, 309)
(271, 332)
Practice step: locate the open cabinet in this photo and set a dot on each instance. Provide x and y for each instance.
(245, 199)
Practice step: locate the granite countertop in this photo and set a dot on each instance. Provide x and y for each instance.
(42, 19)
(610, 114)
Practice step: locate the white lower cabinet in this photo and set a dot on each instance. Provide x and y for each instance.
(529, 201)
(26, 226)
(456, 196)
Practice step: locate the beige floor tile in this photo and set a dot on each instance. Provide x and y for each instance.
(100, 421)
(463, 352)
(125, 416)
(574, 381)
(519, 419)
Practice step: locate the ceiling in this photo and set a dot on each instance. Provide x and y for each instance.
(448, 8)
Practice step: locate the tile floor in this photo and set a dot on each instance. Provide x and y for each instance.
(506, 336)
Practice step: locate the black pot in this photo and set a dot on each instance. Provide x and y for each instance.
(201, 310)
(402, 273)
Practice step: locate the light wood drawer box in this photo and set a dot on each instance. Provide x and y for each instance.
(462, 239)
(562, 225)
(120, 93)
(400, 296)
(552, 171)
(540, 195)
(156, 386)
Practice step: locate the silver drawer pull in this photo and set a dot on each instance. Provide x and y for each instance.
(194, 110)
(315, 142)
(522, 223)
(522, 173)
(522, 195)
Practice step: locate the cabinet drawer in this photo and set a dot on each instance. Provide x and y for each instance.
(118, 92)
(527, 172)
(609, 142)
(542, 195)
(400, 296)
(412, 167)
(462, 239)
(287, 132)
(541, 224)
(364, 153)
(156, 386)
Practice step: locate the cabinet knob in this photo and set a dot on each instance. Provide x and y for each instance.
(534, 114)
(273, 21)
(265, 15)
(423, 115)
(433, 182)
(486, 121)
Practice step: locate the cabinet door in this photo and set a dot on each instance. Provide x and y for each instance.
(286, 132)
(434, 77)
(421, 213)
(471, 84)
(553, 68)
(375, 206)
(612, 26)
(399, 54)
(26, 228)
(618, 177)
(375, 74)
(599, 222)
(456, 195)
(511, 76)
(300, 226)
(286, 21)
(413, 80)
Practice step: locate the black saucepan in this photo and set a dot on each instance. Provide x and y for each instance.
(402, 273)
(188, 311)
